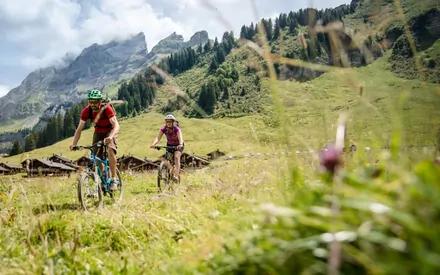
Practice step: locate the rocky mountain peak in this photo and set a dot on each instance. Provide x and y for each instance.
(198, 38)
(119, 49)
(173, 36)
(175, 42)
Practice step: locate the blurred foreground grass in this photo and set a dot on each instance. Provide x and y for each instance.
(248, 216)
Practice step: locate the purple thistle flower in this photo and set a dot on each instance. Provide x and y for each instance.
(331, 158)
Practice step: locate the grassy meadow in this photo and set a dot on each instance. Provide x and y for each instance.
(231, 217)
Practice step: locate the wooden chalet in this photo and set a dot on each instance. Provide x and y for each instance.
(157, 161)
(187, 161)
(4, 171)
(36, 167)
(215, 154)
(146, 166)
(60, 159)
(14, 168)
(129, 162)
(192, 161)
(83, 161)
(64, 160)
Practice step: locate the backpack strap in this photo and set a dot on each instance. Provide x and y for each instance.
(104, 115)
(90, 113)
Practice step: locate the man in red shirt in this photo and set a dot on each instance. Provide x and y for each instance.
(106, 129)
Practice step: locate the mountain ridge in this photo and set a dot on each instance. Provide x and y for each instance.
(95, 67)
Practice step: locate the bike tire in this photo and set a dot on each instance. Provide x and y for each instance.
(162, 170)
(81, 192)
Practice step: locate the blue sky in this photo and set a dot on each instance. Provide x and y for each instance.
(38, 33)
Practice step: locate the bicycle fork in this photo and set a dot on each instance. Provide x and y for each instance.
(96, 185)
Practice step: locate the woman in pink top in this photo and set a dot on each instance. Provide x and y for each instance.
(174, 138)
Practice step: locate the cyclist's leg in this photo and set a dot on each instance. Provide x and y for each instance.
(177, 156)
(112, 151)
(166, 163)
(165, 159)
(98, 151)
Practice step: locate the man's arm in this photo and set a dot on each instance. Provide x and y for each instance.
(78, 131)
(115, 130)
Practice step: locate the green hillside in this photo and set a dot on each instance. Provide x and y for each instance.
(270, 213)
(309, 110)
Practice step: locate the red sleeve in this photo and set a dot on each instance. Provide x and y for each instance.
(85, 113)
(109, 112)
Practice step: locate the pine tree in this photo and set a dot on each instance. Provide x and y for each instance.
(30, 142)
(59, 128)
(16, 149)
(220, 55)
(226, 95)
(214, 65)
(244, 32)
(269, 29)
(69, 127)
(124, 110)
(243, 92)
(276, 32)
(310, 50)
(199, 49)
(210, 98)
(207, 47)
(202, 97)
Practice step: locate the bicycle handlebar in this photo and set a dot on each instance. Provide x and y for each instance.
(165, 147)
(90, 147)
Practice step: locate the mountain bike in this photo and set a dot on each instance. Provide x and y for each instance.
(93, 183)
(164, 173)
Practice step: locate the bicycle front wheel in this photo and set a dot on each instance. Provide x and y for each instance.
(162, 177)
(89, 189)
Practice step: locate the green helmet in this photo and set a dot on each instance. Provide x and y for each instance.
(95, 94)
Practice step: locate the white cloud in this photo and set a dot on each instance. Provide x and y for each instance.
(3, 90)
(51, 28)
(38, 33)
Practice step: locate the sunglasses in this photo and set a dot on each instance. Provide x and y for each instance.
(93, 102)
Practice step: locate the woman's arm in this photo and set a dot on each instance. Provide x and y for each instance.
(157, 139)
(180, 136)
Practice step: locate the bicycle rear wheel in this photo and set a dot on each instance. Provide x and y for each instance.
(117, 194)
(163, 177)
(89, 188)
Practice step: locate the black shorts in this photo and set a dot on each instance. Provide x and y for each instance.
(172, 151)
(181, 150)
(100, 137)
